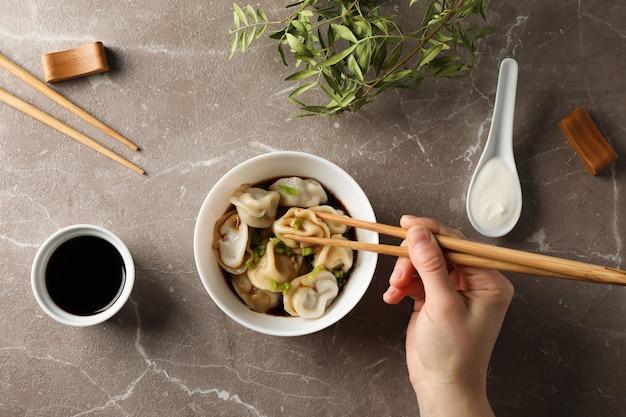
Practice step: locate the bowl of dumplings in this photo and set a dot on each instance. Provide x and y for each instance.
(264, 280)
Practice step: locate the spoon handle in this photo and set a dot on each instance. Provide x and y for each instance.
(504, 110)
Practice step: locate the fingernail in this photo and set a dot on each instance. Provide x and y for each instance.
(418, 237)
(391, 291)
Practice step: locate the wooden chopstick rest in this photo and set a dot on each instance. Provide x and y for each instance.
(587, 140)
(53, 95)
(74, 63)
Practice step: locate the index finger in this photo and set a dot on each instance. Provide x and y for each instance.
(428, 260)
(407, 221)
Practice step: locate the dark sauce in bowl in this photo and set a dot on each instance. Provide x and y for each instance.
(85, 275)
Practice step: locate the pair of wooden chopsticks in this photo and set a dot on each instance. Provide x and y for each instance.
(34, 112)
(468, 253)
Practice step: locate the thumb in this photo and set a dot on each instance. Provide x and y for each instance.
(427, 257)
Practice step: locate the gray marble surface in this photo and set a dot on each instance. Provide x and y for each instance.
(195, 114)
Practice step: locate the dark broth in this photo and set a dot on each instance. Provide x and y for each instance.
(85, 275)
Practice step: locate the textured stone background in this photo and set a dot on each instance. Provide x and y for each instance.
(195, 114)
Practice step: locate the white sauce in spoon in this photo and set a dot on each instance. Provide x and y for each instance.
(494, 201)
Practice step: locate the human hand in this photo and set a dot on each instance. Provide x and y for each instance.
(457, 316)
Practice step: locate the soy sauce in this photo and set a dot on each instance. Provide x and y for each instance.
(85, 275)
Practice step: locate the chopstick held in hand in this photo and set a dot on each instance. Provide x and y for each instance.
(465, 252)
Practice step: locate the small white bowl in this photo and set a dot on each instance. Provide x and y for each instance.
(260, 169)
(38, 275)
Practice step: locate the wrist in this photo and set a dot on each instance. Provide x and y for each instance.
(442, 399)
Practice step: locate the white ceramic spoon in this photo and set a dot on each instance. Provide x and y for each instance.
(494, 197)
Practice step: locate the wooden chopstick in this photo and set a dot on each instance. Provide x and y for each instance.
(542, 264)
(45, 118)
(44, 89)
(474, 254)
(452, 257)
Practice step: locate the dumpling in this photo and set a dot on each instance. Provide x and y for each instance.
(231, 242)
(301, 222)
(309, 295)
(334, 257)
(335, 228)
(257, 299)
(298, 192)
(274, 269)
(256, 206)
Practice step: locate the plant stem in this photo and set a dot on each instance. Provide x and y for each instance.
(416, 50)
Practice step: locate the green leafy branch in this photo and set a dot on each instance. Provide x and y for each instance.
(346, 52)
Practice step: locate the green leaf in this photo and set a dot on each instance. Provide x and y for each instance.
(250, 37)
(301, 75)
(252, 13)
(379, 57)
(337, 57)
(348, 99)
(397, 75)
(442, 37)
(316, 109)
(363, 27)
(382, 26)
(449, 70)
(242, 41)
(364, 53)
(336, 45)
(430, 54)
(330, 80)
(344, 33)
(354, 67)
(261, 31)
(297, 46)
(393, 56)
(300, 90)
(301, 29)
(281, 52)
(484, 32)
(239, 15)
(333, 96)
(233, 46)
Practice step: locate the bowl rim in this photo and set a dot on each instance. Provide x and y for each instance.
(209, 213)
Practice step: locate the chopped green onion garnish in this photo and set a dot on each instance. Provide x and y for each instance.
(288, 190)
(297, 222)
(276, 287)
(307, 251)
(316, 271)
(280, 247)
(259, 251)
(250, 264)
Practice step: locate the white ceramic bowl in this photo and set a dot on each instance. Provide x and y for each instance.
(260, 169)
(38, 272)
